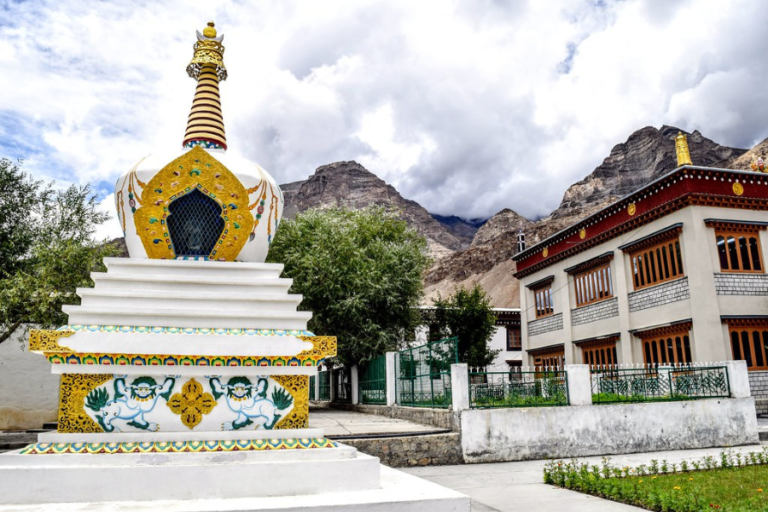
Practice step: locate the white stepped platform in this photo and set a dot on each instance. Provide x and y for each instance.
(179, 300)
(165, 268)
(324, 479)
(261, 319)
(397, 492)
(72, 478)
(190, 283)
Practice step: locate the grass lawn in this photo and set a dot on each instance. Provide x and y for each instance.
(738, 484)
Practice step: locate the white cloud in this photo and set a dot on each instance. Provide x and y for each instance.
(466, 107)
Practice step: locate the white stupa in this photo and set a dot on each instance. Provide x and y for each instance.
(185, 369)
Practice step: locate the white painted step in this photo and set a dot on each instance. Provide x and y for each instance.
(219, 269)
(214, 301)
(166, 317)
(189, 284)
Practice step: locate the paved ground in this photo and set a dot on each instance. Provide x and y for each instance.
(515, 486)
(347, 423)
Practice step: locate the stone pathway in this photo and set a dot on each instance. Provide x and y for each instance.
(338, 423)
(515, 486)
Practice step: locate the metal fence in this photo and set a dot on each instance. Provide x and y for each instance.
(343, 386)
(424, 374)
(312, 388)
(324, 391)
(653, 383)
(535, 387)
(372, 381)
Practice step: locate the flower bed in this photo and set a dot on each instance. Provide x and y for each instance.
(730, 482)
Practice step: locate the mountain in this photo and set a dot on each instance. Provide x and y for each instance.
(462, 229)
(647, 154)
(350, 185)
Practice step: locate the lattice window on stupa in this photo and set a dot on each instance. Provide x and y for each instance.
(195, 224)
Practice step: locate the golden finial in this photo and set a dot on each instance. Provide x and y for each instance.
(681, 146)
(209, 31)
(208, 51)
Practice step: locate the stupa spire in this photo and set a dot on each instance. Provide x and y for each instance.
(205, 126)
(681, 146)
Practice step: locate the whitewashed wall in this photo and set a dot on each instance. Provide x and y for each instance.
(29, 393)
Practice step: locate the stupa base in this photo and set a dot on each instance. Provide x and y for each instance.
(320, 479)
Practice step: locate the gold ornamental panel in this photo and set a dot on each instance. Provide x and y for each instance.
(298, 387)
(192, 403)
(74, 388)
(43, 340)
(738, 188)
(322, 347)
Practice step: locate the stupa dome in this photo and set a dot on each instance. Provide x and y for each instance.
(200, 202)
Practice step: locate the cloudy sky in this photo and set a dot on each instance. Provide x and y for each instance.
(467, 107)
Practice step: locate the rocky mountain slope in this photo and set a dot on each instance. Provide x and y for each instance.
(647, 154)
(350, 185)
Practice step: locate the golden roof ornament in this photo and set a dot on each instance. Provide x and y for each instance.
(681, 146)
(208, 50)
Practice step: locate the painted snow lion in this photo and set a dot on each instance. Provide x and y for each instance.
(131, 402)
(250, 402)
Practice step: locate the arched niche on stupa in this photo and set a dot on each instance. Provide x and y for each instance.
(194, 172)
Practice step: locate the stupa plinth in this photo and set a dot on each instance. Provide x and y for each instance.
(185, 369)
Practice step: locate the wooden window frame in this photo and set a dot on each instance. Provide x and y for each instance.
(517, 339)
(593, 285)
(543, 301)
(751, 335)
(667, 346)
(599, 353)
(549, 358)
(657, 264)
(754, 253)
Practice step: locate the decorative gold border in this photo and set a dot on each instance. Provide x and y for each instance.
(298, 387)
(72, 392)
(194, 169)
(42, 340)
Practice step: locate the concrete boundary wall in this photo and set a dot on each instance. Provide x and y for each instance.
(498, 435)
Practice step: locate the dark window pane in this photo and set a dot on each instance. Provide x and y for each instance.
(663, 351)
(758, 349)
(754, 248)
(721, 253)
(614, 349)
(687, 344)
(734, 257)
(647, 262)
(680, 355)
(765, 342)
(672, 259)
(671, 350)
(745, 263)
(648, 359)
(736, 346)
(745, 348)
(679, 258)
(666, 262)
(652, 259)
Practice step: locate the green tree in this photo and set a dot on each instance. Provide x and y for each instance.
(466, 315)
(360, 273)
(46, 248)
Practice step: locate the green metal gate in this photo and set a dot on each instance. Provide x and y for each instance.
(312, 388)
(372, 381)
(325, 386)
(424, 374)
